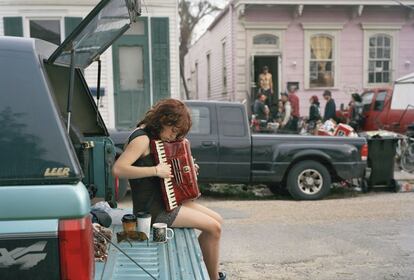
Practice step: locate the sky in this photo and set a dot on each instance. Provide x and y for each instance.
(207, 20)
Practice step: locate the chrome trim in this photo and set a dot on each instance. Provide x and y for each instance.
(30, 235)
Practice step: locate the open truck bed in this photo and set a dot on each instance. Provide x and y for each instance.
(180, 258)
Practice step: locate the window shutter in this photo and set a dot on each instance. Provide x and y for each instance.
(13, 26)
(70, 24)
(160, 57)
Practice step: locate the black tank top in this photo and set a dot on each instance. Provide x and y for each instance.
(146, 192)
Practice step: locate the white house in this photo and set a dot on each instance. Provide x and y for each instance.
(140, 68)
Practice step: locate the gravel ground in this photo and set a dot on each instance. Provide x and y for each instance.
(347, 236)
(365, 237)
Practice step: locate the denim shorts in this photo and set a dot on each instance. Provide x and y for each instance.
(167, 217)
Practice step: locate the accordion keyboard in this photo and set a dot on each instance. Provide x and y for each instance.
(169, 188)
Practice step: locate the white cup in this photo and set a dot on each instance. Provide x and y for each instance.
(144, 223)
(160, 233)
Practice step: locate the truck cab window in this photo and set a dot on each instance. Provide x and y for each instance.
(200, 117)
(380, 100)
(232, 122)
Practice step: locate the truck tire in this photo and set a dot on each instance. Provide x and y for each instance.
(308, 180)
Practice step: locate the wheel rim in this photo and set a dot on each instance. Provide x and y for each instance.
(310, 181)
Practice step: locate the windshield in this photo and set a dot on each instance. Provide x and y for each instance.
(380, 100)
(367, 100)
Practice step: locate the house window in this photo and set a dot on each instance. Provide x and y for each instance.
(322, 56)
(379, 61)
(208, 76)
(224, 67)
(265, 39)
(380, 56)
(322, 62)
(48, 30)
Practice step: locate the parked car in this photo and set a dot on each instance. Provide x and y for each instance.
(227, 152)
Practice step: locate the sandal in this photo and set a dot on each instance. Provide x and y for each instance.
(222, 276)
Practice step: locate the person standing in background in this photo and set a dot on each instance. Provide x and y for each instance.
(330, 107)
(294, 103)
(266, 85)
(314, 113)
(286, 124)
(356, 118)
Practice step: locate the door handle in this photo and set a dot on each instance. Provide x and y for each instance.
(208, 143)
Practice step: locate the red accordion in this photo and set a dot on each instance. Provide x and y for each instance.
(183, 186)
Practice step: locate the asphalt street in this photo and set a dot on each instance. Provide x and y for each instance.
(370, 236)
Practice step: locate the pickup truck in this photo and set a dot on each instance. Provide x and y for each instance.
(227, 152)
(55, 156)
(388, 108)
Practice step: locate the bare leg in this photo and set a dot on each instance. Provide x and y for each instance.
(209, 238)
(205, 210)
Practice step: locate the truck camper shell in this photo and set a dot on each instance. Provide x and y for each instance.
(48, 114)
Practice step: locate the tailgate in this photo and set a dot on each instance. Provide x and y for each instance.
(29, 250)
(180, 258)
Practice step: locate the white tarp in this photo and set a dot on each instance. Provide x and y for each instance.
(403, 94)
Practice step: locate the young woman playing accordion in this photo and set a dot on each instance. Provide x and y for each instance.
(168, 120)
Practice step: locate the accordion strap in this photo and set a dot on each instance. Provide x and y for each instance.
(152, 197)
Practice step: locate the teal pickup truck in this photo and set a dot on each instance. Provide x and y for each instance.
(55, 156)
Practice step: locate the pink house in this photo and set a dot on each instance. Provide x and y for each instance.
(343, 45)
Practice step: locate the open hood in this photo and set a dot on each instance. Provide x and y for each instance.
(101, 27)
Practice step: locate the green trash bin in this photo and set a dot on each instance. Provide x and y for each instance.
(381, 157)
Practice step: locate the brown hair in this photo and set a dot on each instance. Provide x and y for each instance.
(167, 112)
(327, 93)
(315, 99)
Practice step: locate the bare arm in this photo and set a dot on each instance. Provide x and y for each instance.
(271, 83)
(134, 150)
(260, 80)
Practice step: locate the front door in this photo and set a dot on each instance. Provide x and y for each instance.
(131, 77)
(259, 61)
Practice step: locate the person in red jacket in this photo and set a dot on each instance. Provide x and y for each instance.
(294, 102)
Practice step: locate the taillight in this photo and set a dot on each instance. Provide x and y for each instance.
(76, 250)
(116, 188)
(364, 152)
